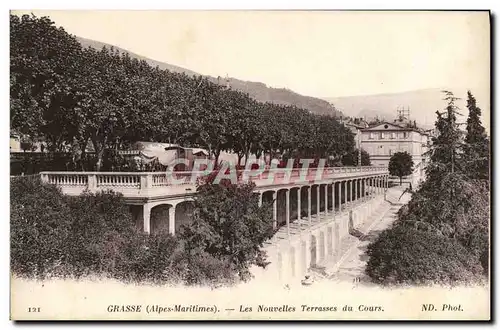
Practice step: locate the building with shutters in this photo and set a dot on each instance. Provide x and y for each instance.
(384, 139)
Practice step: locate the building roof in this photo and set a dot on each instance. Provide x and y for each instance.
(388, 126)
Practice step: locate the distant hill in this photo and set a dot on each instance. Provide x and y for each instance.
(422, 103)
(259, 91)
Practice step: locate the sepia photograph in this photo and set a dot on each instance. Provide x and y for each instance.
(250, 165)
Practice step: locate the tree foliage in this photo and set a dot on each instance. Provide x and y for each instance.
(476, 150)
(54, 235)
(400, 165)
(352, 158)
(67, 95)
(229, 225)
(451, 208)
(405, 255)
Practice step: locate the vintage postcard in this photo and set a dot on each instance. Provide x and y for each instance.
(249, 165)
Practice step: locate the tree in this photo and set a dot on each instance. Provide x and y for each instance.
(400, 165)
(228, 224)
(476, 148)
(352, 158)
(44, 67)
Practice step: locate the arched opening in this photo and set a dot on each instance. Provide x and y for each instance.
(329, 198)
(294, 203)
(281, 200)
(314, 199)
(183, 215)
(160, 218)
(313, 251)
(137, 216)
(304, 201)
(322, 198)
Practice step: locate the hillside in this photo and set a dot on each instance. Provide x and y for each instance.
(257, 90)
(422, 103)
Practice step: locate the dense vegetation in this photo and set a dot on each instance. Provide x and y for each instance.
(442, 235)
(53, 235)
(400, 165)
(67, 95)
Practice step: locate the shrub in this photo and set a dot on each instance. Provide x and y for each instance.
(405, 255)
(228, 225)
(40, 227)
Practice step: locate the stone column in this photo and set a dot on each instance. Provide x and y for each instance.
(287, 198)
(146, 217)
(261, 194)
(171, 220)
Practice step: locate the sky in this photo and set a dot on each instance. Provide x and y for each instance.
(314, 53)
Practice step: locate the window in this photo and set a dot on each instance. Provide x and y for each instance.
(393, 135)
(382, 135)
(405, 135)
(372, 136)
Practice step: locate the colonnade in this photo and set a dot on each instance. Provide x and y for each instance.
(338, 193)
(317, 240)
(336, 197)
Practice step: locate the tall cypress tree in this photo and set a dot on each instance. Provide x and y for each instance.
(476, 149)
(445, 156)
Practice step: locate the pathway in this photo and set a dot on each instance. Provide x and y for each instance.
(352, 267)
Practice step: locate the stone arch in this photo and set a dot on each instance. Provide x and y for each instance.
(137, 216)
(183, 214)
(294, 198)
(160, 218)
(281, 200)
(267, 197)
(329, 198)
(314, 251)
(321, 197)
(337, 196)
(314, 199)
(303, 200)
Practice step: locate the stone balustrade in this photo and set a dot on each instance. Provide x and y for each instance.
(147, 184)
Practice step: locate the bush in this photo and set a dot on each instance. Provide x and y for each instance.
(228, 225)
(53, 235)
(40, 222)
(405, 255)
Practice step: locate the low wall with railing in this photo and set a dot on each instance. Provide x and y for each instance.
(138, 184)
